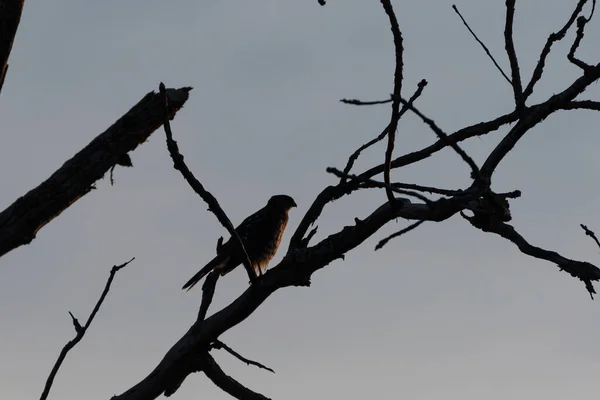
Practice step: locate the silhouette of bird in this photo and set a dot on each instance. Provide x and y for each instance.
(261, 234)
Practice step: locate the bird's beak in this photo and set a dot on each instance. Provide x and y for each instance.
(294, 204)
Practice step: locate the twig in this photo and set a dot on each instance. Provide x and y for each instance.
(208, 291)
(590, 233)
(583, 105)
(382, 135)
(220, 345)
(389, 10)
(482, 45)
(213, 204)
(554, 37)
(80, 330)
(581, 22)
(356, 102)
(401, 232)
(512, 57)
(21, 221)
(226, 383)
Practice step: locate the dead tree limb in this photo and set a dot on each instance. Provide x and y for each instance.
(80, 330)
(20, 222)
(10, 16)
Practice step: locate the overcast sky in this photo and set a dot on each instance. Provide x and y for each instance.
(447, 312)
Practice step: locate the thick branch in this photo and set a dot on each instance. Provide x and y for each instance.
(10, 16)
(80, 330)
(294, 270)
(20, 222)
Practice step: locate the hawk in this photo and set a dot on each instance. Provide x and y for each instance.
(261, 234)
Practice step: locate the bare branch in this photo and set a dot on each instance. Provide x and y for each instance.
(581, 23)
(229, 385)
(220, 345)
(401, 232)
(590, 233)
(356, 102)
(554, 37)
(512, 57)
(80, 330)
(213, 204)
(389, 10)
(582, 105)
(332, 193)
(370, 183)
(482, 45)
(9, 23)
(535, 115)
(444, 137)
(583, 270)
(20, 222)
(382, 135)
(294, 270)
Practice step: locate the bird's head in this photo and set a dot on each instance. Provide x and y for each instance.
(282, 202)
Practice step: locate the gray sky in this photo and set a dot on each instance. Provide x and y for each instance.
(445, 312)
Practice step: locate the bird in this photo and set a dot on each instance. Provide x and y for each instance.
(261, 234)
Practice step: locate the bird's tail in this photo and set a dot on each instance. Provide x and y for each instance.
(214, 263)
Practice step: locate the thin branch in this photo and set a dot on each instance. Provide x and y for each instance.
(398, 71)
(382, 135)
(332, 193)
(444, 137)
(208, 291)
(220, 345)
(226, 383)
(20, 222)
(582, 270)
(356, 102)
(512, 57)
(590, 233)
(583, 105)
(401, 232)
(482, 45)
(553, 38)
(213, 204)
(10, 16)
(80, 330)
(581, 23)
